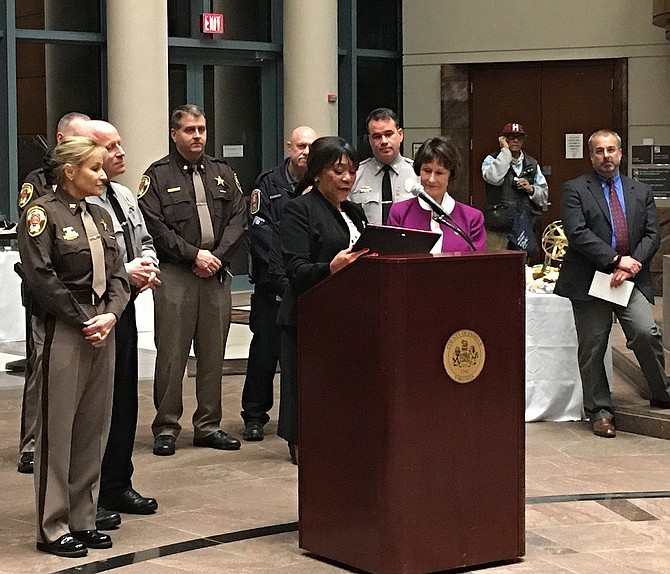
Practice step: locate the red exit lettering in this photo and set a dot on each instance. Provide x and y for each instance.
(212, 23)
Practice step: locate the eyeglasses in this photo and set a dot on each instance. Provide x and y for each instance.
(515, 136)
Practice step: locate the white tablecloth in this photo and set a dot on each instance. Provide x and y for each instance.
(553, 384)
(12, 315)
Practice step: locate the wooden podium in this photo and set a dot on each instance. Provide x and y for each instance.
(403, 470)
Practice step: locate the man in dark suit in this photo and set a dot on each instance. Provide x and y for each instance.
(612, 226)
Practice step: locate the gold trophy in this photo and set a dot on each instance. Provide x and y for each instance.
(553, 244)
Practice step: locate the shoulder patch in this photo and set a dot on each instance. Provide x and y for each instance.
(36, 220)
(255, 203)
(26, 194)
(237, 182)
(145, 182)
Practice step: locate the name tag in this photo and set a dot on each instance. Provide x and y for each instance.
(364, 189)
(275, 196)
(173, 189)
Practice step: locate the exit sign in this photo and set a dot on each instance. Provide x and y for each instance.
(212, 23)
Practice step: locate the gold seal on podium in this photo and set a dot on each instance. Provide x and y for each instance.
(464, 356)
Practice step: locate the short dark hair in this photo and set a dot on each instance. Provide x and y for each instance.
(324, 152)
(382, 114)
(186, 110)
(442, 150)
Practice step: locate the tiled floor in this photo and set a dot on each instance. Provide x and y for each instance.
(210, 500)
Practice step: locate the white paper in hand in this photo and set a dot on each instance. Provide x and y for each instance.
(600, 287)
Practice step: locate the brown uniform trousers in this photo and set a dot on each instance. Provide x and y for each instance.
(75, 397)
(189, 308)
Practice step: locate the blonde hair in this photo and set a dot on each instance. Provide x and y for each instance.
(74, 150)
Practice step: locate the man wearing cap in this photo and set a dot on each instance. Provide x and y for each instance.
(514, 185)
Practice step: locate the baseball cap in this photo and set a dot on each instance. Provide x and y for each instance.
(512, 128)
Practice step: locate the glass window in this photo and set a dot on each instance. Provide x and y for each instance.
(62, 15)
(378, 86)
(51, 83)
(245, 21)
(177, 85)
(249, 20)
(179, 18)
(378, 24)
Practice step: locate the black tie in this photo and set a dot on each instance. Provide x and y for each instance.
(128, 240)
(387, 195)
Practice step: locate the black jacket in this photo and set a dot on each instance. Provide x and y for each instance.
(311, 233)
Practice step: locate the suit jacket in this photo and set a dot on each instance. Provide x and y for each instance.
(311, 233)
(410, 214)
(588, 228)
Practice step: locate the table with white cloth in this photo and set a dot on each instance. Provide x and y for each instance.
(553, 383)
(12, 313)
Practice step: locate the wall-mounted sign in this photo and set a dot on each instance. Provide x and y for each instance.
(574, 146)
(233, 150)
(656, 177)
(661, 154)
(211, 23)
(641, 154)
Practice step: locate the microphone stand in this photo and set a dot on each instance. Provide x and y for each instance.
(440, 218)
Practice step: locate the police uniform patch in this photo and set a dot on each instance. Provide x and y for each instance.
(237, 182)
(36, 219)
(255, 203)
(145, 182)
(26, 194)
(70, 234)
(220, 180)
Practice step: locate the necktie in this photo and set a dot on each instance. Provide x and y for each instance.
(618, 221)
(97, 251)
(127, 238)
(206, 229)
(387, 194)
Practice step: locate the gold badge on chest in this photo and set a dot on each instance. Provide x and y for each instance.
(69, 233)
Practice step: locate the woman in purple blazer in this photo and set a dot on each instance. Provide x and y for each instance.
(437, 162)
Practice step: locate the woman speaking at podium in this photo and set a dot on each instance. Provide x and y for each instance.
(436, 163)
(316, 233)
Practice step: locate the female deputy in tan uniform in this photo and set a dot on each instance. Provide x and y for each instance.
(76, 272)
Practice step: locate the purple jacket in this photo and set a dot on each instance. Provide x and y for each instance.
(411, 215)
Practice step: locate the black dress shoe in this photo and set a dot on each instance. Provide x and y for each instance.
(106, 520)
(66, 546)
(164, 445)
(253, 430)
(16, 366)
(93, 539)
(27, 463)
(219, 440)
(129, 501)
(660, 403)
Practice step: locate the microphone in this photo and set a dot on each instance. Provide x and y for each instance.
(439, 214)
(416, 189)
